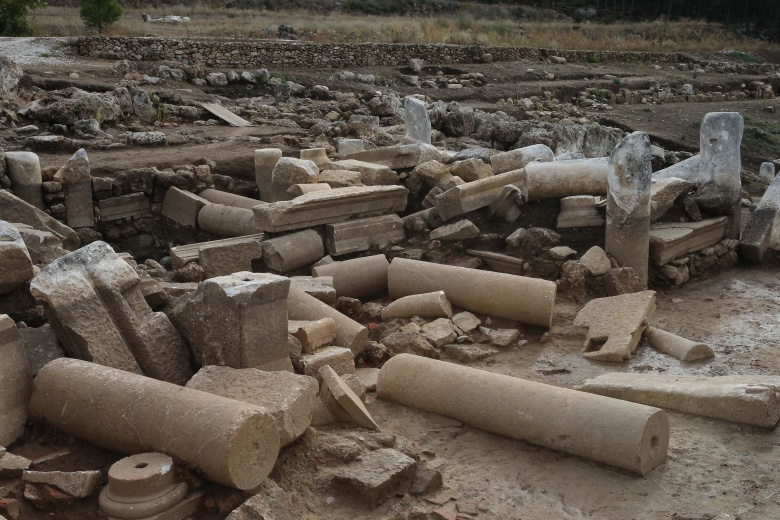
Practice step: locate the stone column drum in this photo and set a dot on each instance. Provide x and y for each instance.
(356, 278)
(349, 333)
(233, 443)
(77, 183)
(529, 300)
(618, 433)
(628, 203)
(559, 179)
(24, 170)
(227, 221)
(265, 161)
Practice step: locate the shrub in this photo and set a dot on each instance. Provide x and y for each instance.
(13, 16)
(100, 13)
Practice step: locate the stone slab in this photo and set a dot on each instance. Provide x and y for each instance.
(362, 234)
(182, 255)
(670, 240)
(125, 206)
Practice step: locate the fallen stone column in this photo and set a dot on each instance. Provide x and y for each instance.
(762, 230)
(428, 305)
(14, 383)
(474, 195)
(182, 207)
(24, 170)
(357, 278)
(77, 183)
(289, 252)
(677, 346)
(618, 433)
(520, 158)
(529, 300)
(628, 204)
(328, 206)
(265, 161)
(349, 333)
(229, 199)
(743, 399)
(227, 221)
(558, 179)
(716, 169)
(231, 442)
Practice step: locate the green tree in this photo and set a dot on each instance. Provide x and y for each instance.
(13, 16)
(100, 13)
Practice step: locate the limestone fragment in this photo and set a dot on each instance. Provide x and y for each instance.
(357, 278)
(238, 321)
(669, 240)
(339, 359)
(470, 196)
(429, 305)
(418, 124)
(349, 333)
(615, 325)
(227, 221)
(472, 170)
(232, 443)
(16, 267)
(761, 231)
(345, 398)
(370, 174)
(519, 158)
(289, 171)
(362, 234)
(289, 252)
(12, 466)
(743, 399)
(378, 475)
(289, 398)
(559, 179)
(14, 383)
(628, 203)
(79, 484)
(133, 205)
(184, 254)
(182, 206)
(14, 209)
(399, 156)
(579, 211)
(674, 345)
(265, 162)
(313, 334)
(596, 261)
(321, 287)
(229, 199)
(618, 433)
(77, 184)
(461, 230)
(466, 321)
(767, 171)
(223, 258)
(24, 170)
(663, 194)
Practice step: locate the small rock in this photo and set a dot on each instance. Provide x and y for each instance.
(466, 321)
(461, 230)
(596, 261)
(12, 466)
(503, 337)
(440, 332)
(79, 484)
(378, 475)
(562, 252)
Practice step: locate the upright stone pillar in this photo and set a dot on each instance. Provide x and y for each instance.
(265, 162)
(77, 184)
(94, 302)
(418, 124)
(15, 383)
(24, 170)
(239, 321)
(628, 203)
(767, 171)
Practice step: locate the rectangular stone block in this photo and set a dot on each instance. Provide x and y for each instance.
(475, 195)
(15, 383)
(125, 206)
(399, 156)
(329, 206)
(357, 235)
(225, 259)
(182, 255)
(339, 359)
(668, 240)
(78, 204)
(182, 206)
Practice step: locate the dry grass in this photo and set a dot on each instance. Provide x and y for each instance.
(459, 28)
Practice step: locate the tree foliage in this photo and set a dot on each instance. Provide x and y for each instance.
(14, 19)
(100, 13)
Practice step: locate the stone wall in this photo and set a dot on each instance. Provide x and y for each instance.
(257, 53)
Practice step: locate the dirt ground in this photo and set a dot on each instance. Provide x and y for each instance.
(714, 470)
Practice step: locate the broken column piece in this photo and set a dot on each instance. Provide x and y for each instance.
(77, 184)
(94, 303)
(669, 240)
(529, 300)
(229, 199)
(145, 484)
(349, 333)
(762, 230)
(378, 476)
(467, 197)
(715, 171)
(14, 209)
(296, 190)
(318, 156)
(289, 252)
(361, 234)
(24, 170)
(182, 207)
(677, 346)
(16, 266)
(222, 259)
(184, 254)
(399, 156)
(265, 161)
(767, 171)
(427, 305)
(238, 321)
(579, 211)
(628, 203)
(289, 171)
(357, 278)
(618, 433)
(743, 399)
(416, 120)
(227, 221)
(328, 206)
(232, 443)
(14, 383)
(338, 394)
(615, 325)
(289, 398)
(516, 159)
(312, 334)
(663, 194)
(558, 179)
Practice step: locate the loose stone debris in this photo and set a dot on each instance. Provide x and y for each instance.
(243, 336)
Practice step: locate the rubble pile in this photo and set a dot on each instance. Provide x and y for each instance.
(229, 335)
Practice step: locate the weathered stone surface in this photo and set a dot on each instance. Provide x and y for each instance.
(349, 333)
(615, 325)
(466, 321)
(357, 278)
(596, 261)
(229, 199)
(663, 193)
(472, 170)
(296, 190)
(579, 211)
(378, 475)
(24, 170)
(467, 197)
(674, 345)
(318, 156)
(271, 502)
(40, 347)
(339, 359)
(10, 74)
(503, 337)
(182, 255)
(399, 156)
(227, 221)
(43, 246)
(12, 466)
(461, 230)
(519, 158)
(329, 206)
(345, 398)
(221, 259)
(560, 179)
(767, 171)
(265, 162)
(337, 179)
(362, 234)
(428, 305)
(762, 230)
(402, 342)
(440, 332)
(743, 399)
(313, 334)
(435, 175)
(182, 206)
(370, 174)
(321, 287)
(94, 302)
(239, 321)
(288, 397)
(79, 484)
(14, 209)
(289, 252)
(289, 171)
(628, 203)
(15, 383)
(672, 239)
(418, 124)
(622, 280)
(125, 206)
(16, 266)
